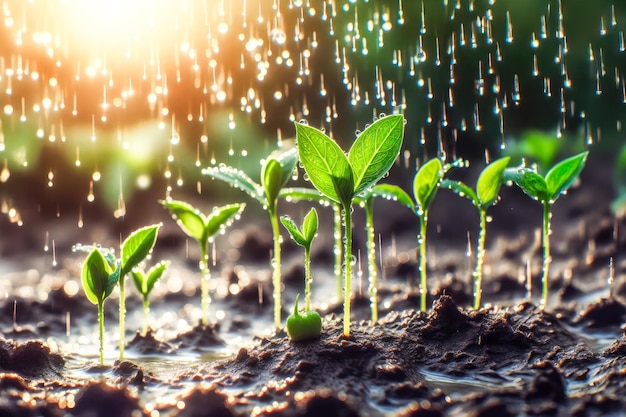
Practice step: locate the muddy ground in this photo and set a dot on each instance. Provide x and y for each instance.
(509, 358)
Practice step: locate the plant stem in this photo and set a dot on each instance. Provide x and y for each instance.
(546, 253)
(422, 248)
(307, 278)
(338, 250)
(101, 328)
(122, 316)
(372, 271)
(480, 258)
(276, 265)
(347, 267)
(146, 310)
(205, 299)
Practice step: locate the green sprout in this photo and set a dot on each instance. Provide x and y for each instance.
(547, 190)
(133, 251)
(486, 194)
(366, 200)
(275, 173)
(341, 178)
(144, 282)
(426, 182)
(100, 275)
(308, 325)
(203, 228)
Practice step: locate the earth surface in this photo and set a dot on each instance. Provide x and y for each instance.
(509, 358)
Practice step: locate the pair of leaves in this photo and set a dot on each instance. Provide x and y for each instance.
(487, 185)
(340, 177)
(303, 237)
(557, 180)
(199, 226)
(99, 277)
(144, 281)
(275, 173)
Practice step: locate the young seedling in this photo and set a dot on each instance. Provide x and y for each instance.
(133, 250)
(203, 229)
(547, 190)
(275, 173)
(486, 194)
(366, 200)
(99, 277)
(308, 325)
(426, 182)
(144, 282)
(341, 178)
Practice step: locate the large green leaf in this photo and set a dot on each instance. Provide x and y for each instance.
(529, 181)
(98, 277)
(238, 179)
(375, 150)
(137, 247)
(426, 183)
(220, 218)
(490, 180)
(325, 163)
(189, 219)
(563, 174)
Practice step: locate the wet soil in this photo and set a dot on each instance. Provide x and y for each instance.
(509, 358)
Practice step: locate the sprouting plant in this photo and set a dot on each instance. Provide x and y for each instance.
(341, 178)
(99, 276)
(144, 282)
(275, 172)
(426, 182)
(486, 194)
(366, 200)
(304, 238)
(547, 190)
(203, 228)
(133, 250)
(308, 325)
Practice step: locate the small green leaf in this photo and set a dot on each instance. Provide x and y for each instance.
(139, 279)
(563, 174)
(529, 181)
(238, 179)
(137, 247)
(272, 178)
(462, 190)
(375, 150)
(189, 219)
(293, 230)
(325, 164)
(389, 192)
(98, 277)
(288, 160)
(309, 226)
(154, 274)
(220, 218)
(302, 193)
(490, 180)
(426, 183)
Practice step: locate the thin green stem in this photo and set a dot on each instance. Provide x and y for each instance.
(347, 268)
(308, 279)
(205, 298)
(422, 248)
(276, 266)
(122, 315)
(146, 310)
(546, 253)
(338, 250)
(372, 270)
(101, 328)
(480, 259)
